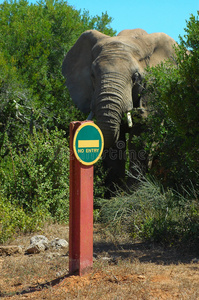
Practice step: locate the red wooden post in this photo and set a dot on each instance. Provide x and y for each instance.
(81, 212)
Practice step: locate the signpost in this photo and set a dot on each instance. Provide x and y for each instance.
(86, 146)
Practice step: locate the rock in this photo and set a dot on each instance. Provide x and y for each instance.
(40, 243)
(40, 238)
(61, 273)
(195, 260)
(110, 260)
(52, 255)
(59, 243)
(10, 250)
(105, 258)
(36, 248)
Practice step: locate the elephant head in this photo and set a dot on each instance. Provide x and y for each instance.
(103, 73)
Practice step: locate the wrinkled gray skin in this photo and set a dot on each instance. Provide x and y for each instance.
(104, 74)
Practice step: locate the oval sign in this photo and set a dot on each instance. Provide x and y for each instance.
(88, 143)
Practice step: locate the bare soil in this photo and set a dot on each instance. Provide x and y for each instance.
(122, 269)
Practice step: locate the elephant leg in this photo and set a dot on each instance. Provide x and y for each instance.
(114, 160)
(138, 158)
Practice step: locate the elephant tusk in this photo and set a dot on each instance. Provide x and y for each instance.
(90, 116)
(129, 119)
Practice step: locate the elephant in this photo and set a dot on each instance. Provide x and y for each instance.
(104, 77)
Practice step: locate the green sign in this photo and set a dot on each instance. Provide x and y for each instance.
(88, 143)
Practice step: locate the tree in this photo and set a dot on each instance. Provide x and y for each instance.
(34, 108)
(14, 103)
(174, 99)
(34, 39)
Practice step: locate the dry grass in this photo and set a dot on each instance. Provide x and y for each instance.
(134, 271)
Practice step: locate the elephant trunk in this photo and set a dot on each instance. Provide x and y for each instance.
(109, 106)
(109, 124)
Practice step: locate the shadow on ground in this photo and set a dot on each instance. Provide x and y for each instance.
(145, 252)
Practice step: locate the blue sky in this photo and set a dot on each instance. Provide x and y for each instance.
(166, 16)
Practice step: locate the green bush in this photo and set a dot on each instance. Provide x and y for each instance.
(34, 40)
(35, 176)
(172, 94)
(153, 214)
(13, 220)
(34, 102)
(172, 163)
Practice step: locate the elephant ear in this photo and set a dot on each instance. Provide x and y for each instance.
(162, 48)
(76, 68)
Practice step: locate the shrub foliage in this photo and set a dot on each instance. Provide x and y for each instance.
(166, 209)
(36, 109)
(173, 96)
(154, 214)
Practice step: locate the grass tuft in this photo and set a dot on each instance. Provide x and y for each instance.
(155, 214)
